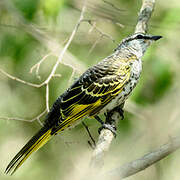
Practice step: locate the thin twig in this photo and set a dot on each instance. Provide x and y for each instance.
(47, 97)
(52, 45)
(57, 75)
(37, 65)
(72, 76)
(19, 80)
(17, 119)
(94, 44)
(103, 34)
(67, 44)
(27, 120)
(52, 74)
(112, 5)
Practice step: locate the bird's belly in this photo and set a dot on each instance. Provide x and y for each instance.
(122, 96)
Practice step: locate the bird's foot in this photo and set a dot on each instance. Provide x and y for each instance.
(117, 109)
(107, 125)
(121, 112)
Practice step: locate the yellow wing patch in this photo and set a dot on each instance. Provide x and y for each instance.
(77, 113)
(90, 97)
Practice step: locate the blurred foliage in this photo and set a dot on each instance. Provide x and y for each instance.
(28, 8)
(156, 97)
(52, 7)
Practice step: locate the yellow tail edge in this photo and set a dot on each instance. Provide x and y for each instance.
(35, 143)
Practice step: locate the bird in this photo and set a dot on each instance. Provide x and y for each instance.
(102, 88)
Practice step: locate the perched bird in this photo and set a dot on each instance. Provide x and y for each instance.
(102, 88)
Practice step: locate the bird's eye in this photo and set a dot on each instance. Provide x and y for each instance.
(139, 36)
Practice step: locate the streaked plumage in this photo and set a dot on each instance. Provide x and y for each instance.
(100, 89)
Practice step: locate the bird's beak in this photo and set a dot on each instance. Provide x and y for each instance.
(155, 38)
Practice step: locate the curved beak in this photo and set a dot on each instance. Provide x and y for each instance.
(155, 38)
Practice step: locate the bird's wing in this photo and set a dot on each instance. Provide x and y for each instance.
(91, 92)
(96, 85)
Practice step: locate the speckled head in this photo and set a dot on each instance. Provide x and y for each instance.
(138, 43)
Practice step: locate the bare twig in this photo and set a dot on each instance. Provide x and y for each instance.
(94, 44)
(47, 97)
(72, 77)
(112, 5)
(27, 120)
(67, 45)
(53, 46)
(19, 80)
(52, 74)
(37, 65)
(103, 34)
(145, 161)
(57, 75)
(106, 136)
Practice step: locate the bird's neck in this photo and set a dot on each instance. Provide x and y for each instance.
(136, 67)
(137, 53)
(135, 49)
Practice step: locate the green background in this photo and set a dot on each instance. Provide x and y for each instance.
(152, 113)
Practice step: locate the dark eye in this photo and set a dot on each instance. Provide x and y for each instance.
(139, 36)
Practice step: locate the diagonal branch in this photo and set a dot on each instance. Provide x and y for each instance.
(145, 161)
(106, 136)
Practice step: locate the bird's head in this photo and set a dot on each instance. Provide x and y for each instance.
(138, 43)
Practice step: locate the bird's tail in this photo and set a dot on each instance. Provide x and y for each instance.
(32, 145)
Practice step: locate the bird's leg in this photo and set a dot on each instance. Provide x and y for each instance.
(106, 125)
(92, 139)
(99, 119)
(118, 109)
(110, 123)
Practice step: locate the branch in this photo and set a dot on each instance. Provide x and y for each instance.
(67, 44)
(53, 71)
(27, 120)
(106, 136)
(19, 80)
(103, 144)
(102, 34)
(144, 162)
(144, 16)
(37, 65)
(50, 43)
